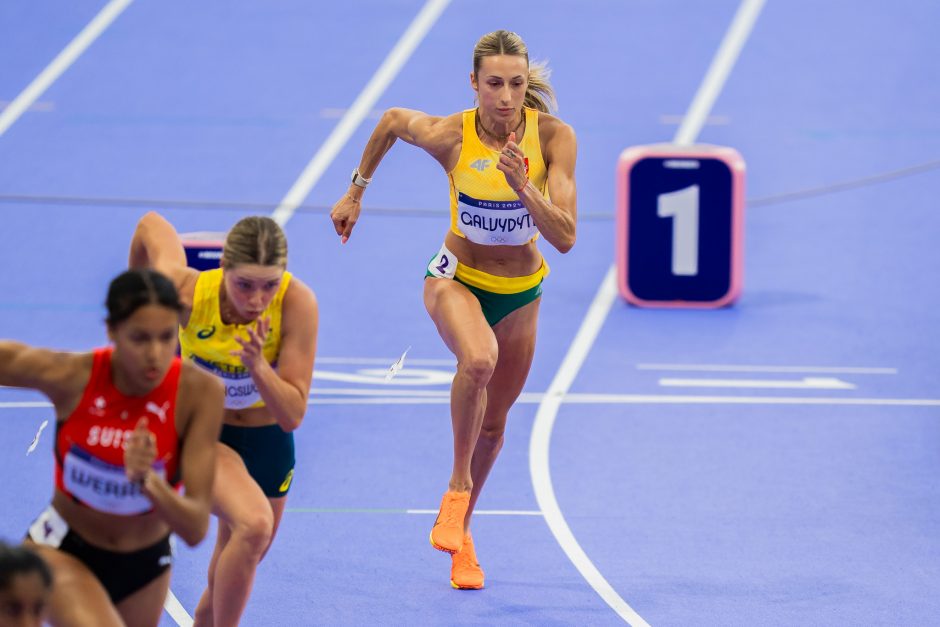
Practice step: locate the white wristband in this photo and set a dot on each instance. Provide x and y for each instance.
(358, 180)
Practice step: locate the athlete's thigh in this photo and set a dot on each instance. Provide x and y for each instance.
(515, 336)
(458, 317)
(145, 606)
(235, 494)
(78, 598)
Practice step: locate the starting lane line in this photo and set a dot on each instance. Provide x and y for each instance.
(61, 63)
(371, 510)
(576, 398)
(749, 368)
(540, 442)
(363, 104)
(361, 107)
(176, 610)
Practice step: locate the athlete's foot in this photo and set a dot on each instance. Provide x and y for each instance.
(465, 571)
(447, 532)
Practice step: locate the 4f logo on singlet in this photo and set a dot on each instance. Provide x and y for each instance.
(482, 164)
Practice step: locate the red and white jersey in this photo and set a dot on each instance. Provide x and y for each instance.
(89, 447)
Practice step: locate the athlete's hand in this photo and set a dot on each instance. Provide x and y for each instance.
(252, 353)
(344, 215)
(512, 163)
(140, 451)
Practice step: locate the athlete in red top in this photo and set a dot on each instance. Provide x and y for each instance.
(89, 443)
(133, 424)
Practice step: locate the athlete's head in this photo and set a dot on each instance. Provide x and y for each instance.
(143, 319)
(504, 79)
(253, 260)
(25, 586)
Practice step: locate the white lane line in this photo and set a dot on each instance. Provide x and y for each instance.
(484, 512)
(44, 106)
(755, 368)
(359, 109)
(176, 610)
(656, 399)
(645, 399)
(807, 383)
(548, 409)
(718, 72)
(61, 63)
(378, 361)
(24, 404)
(381, 400)
(532, 398)
(539, 444)
(321, 392)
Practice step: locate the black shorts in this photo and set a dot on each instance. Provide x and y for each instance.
(268, 453)
(121, 574)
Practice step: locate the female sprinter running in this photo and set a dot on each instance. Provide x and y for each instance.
(134, 425)
(253, 326)
(511, 171)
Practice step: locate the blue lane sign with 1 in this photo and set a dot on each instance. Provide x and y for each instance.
(680, 225)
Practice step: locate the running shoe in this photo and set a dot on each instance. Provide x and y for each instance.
(447, 532)
(465, 571)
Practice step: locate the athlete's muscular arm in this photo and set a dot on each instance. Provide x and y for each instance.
(285, 391)
(438, 136)
(201, 398)
(52, 373)
(557, 218)
(156, 244)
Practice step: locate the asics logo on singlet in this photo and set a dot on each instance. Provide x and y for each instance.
(481, 164)
(205, 334)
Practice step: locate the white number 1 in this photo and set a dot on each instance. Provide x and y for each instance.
(682, 206)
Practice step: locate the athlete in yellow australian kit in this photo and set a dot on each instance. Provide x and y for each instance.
(511, 170)
(253, 326)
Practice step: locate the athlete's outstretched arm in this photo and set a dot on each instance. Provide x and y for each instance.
(47, 371)
(156, 244)
(438, 136)
(187, 514)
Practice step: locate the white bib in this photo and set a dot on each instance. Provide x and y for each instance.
(495, 222)
(240, 389)
(102, 486)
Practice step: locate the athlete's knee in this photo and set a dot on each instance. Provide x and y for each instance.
(254, 532)
(478, 366)
(493, 435)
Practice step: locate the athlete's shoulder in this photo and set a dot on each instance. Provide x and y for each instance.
(449, 127)
(557, 138)
(300, 306)
(71, 370)
(297, 290)
(69, 374)
(551, 125)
